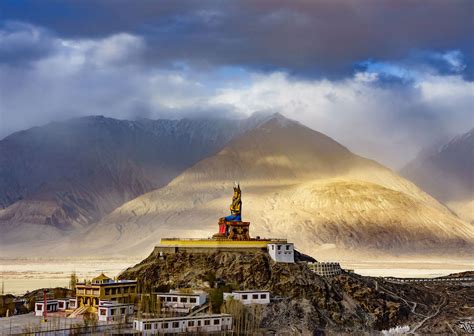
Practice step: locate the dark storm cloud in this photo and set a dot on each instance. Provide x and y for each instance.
(303, 37)
(384, 76)
(21, 43)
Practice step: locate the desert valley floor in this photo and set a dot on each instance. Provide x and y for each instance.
(21, 275)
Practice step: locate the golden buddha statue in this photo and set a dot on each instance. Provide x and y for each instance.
(236, 206)
(232, 227)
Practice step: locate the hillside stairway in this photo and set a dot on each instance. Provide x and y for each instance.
(78, 311)
(199, 310)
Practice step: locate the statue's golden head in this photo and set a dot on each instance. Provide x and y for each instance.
(236, 205)
(236, 190)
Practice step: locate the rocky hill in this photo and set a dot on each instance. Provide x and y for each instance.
(66, 175)
(447, 173)
(298, 184)
(303, 301)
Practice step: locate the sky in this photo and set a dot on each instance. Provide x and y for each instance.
(386, 78)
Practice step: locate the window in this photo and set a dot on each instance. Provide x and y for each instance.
(103, 312)
(190, 323)
(175, 324)
(217, 321)
(273, 247)
(165, 325)
(244, 297)
(147, 326)
(183, 299)
(287, 247)
(122, 311)
(112, 311)
(168, 299)
(199, 323)
(192, 300)
(255, 296)
(207, 322)
(39, 307)
(279, 247)
(61, 304)
(263, 296)
(175, 299)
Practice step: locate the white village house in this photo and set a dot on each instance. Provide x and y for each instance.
(186, 324)
(63, 304)
(51, 307)
(114, 311)
(180, 302)
(249, 296)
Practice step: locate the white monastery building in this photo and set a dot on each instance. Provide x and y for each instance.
(187, 324)
(114, 311)
(249, 296)
(282, 252)
(51, 307)
(73, 303)
(63, 304)
(179, 302)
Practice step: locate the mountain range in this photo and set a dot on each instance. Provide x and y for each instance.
(67, 175)
(174, 178)
(299, 184)
(447, 173)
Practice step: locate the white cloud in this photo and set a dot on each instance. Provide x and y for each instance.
(455, 60)
(92, 76)
(389, 122)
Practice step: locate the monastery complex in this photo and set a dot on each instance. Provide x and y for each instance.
(116, 300)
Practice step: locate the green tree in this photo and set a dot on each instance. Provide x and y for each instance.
(73, 281)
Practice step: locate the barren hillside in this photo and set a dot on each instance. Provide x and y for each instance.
(299, 184)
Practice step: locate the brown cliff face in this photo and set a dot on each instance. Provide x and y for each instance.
(304, 302)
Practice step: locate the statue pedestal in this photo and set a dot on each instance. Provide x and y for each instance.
(239, 230)
(234, 230)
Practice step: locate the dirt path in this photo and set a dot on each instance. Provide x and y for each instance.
(411, 304)
(438, 309)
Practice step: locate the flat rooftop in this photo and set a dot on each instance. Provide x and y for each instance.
(226, 240)
(180, 294)
(251, 291)
(113, 304)
(218, 243)
(113, 282)
(195, 317)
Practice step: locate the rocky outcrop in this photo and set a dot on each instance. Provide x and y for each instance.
(303, 301)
